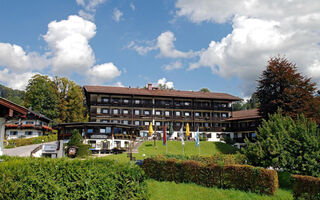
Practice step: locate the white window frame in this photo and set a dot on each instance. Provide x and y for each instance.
(125, 112)
(146, 112)
(167, 113)
(104, 111)
(146, 123)
(187, 114)
(158, 112)
(177, 113)
(136, 112)
(115, 113)
(135, 123)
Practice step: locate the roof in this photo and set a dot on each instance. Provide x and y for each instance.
(21, 109)
(158, 92)
(245, 114)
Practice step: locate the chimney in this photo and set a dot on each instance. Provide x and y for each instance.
(149, 86)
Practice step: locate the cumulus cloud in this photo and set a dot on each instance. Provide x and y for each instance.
(14, 57)
(68, 41)
(116, 15)
(164, 82)
(15, 80)
(172, 66)
(165, 44)
(89, 8)
(103, 73)
(261, 29)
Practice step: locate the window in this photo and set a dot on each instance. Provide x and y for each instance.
(197, 114)
(137, 112)
(90, 130)
(146, 123)
(209, 135)
(215, 114)
(102, 130)
(187, 103)
(115, 100)
(125, 112)
(147, 112)
(105, 100)
(224, 105)
(158, 123)
(108, 130)
(206, 124)
(125, 122)
(167, 113)
(115, 111)
(158, 112)
(137, 101)
(115, 121)
(28, 133)
(177, 113)
(224, 114)
(126, 101)
(137, 123)
(104, 121)
(29, 122)
(178, 124)
(13, 132)
(186, 114)
(105, 111)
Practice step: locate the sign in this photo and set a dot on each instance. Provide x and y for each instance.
(98, 137)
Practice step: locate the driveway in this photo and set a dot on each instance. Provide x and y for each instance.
(23, 151)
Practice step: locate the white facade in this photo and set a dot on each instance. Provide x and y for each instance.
(24, 128)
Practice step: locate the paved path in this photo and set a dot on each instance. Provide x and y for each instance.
(23, 151)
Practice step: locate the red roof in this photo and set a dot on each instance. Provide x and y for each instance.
(158, 92)
(245, 114)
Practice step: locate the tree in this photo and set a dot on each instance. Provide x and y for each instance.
(247, 105)
(71, 101)
(204, 90)
(281, 86)
(41, 96)
(287, 144)
(15, 96)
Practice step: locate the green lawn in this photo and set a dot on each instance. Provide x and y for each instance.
(183, 191)
(175, 147)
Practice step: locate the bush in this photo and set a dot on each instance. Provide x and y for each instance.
(28, 141)
(70, 179)
(285, 180)
(242, 177)
(306, 187)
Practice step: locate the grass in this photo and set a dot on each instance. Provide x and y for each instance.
(183, 191)
(175, 147)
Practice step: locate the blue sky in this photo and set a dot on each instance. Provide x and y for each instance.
(185, 43)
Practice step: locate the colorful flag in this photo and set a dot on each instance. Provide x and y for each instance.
(181, 135)
(164, 136)
(197, 137)
(150, 129)
(187, 130)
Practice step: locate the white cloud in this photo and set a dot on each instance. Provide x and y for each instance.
(168, 84)
(132, 6)
(15, 80)
(118, 84)
(261, 29)
(116, 15)
(165, 44)
(172, 66)
(14, 57)
(103, 73)
(89, 7)
(68, 41)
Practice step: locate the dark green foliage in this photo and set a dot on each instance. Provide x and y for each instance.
(204, 90)
(70, 179)
(29, 141)
(285, 180)
(251, 103)
(282, 143)
(282, 86)
(15, 96)
(242, 177)
(77, 140)
(306, 187)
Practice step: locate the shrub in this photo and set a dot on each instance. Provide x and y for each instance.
(29, 141)
(285, 180)
(306, 187)
(70, 179)
(242, 177)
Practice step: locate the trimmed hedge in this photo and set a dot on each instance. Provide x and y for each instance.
(220, 159)
(306, 187)
(242, 177)
(70, 179)
(28, 141)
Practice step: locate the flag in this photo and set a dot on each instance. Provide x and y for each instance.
(150, 129)
(164, 136)
(197, 137)
(181, 135)
(187, 130)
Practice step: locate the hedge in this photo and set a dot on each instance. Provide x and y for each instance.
(28, 141)
(70, 179)
(242, 177)
(306, 187)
